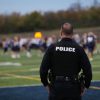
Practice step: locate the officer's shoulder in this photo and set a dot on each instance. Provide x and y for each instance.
(81, 50)
(51, 47)
(78, 47)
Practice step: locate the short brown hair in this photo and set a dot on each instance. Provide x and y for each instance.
(67, 29)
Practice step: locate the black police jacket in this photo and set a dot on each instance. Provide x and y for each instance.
(65, 58)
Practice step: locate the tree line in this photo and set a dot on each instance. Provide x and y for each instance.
(34, 21)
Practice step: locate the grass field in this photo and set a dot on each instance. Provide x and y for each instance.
(25, 71)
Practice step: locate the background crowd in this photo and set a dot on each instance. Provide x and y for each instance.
(19, 44)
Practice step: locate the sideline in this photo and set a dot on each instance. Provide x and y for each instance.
(40, 84)
(20, 86)
(94, 87)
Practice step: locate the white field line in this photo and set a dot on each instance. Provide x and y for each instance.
(12, 77)
(10, 64)
(95, 87)
(24, 70)
(33, 69)
(21, 86)
(91, 87)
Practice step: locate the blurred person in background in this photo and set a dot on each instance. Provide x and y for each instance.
(84, 41)
(36, 42)
(77, 38)
(33, 43)
(91, 44)
(43, 45)
(51, 40)
(5, 44)
(15, 48)
(24, 42)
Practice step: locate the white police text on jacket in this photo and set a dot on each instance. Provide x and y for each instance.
(68, 49)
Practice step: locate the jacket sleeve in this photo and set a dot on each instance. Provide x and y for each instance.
(86, 67)
(45, 66)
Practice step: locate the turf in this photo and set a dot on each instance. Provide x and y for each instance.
(28, 72)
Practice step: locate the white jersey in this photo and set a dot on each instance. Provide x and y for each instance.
(22, 41)
(91, 39)
(76, 37)
(16, 43)
(35, 41)
(49, 41)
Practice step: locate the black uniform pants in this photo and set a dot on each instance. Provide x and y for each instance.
(64, 98)
(64, 91)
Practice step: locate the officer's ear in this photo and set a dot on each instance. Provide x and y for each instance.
(61, 31)
(60, 34)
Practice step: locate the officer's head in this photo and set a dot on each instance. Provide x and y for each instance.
(67, 29)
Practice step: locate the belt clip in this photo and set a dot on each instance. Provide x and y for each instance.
(66, 78)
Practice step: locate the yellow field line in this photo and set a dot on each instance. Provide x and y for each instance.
(25, 77)
(33, 69)
(38, 79)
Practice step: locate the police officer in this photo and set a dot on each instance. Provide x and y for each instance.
(64, 60)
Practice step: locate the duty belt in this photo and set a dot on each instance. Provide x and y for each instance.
(65, 78)
(53, 78)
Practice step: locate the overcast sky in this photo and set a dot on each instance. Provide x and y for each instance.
(27, 6)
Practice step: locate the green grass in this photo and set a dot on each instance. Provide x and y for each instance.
(28, 72)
